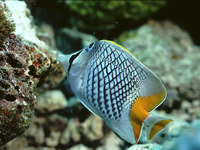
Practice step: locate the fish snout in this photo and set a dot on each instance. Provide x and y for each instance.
(61, 57)
(64, 59)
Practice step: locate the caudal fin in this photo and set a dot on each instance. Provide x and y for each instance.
(154, 124)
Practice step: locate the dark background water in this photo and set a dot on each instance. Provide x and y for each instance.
(184, 13)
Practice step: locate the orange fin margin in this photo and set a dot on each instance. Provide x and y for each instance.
(137, 126)
(149, 103)
(139, 112)
(158, 127)
(137, 115)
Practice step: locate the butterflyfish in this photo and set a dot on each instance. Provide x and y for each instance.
(113, 84)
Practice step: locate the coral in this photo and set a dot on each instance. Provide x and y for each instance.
(46, 101)
(6, 26)
(71, 132)
(17, 89)
(103, 15)
(91, 130)
(80, 147)
(149, 146)
(23, 21)
(24, 68)
(111, 141)
(62, 127)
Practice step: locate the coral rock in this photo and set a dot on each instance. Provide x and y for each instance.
(53, 140)
(24, 67)
(178, 67)
(111, 141)
(51, 101)
(17, 89)
(6, 26)
(149, 146)
(79, 147)
(92, 128)
(71, 132)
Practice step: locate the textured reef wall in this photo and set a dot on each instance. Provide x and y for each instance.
(24, 67)
(6, 26)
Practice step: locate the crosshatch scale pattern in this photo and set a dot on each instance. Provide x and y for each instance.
(112, 81)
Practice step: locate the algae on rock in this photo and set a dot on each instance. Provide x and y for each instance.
(6, 25)
(25, 66)
(103, 15)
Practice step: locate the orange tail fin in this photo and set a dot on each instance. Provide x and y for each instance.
(139, 114)
(154, 124)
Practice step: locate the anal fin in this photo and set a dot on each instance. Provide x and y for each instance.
(137, 115)
(137, 126)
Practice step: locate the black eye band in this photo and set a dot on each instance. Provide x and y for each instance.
(72, 59)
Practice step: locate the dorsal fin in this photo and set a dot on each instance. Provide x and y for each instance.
(112, 42)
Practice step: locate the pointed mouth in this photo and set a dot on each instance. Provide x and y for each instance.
(64, 60)
(67, 60)
(61, 58)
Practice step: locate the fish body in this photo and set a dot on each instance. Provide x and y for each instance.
(114, 85)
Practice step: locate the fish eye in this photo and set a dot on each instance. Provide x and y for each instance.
(90, 46)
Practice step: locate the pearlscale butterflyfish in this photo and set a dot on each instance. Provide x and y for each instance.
(113, 84)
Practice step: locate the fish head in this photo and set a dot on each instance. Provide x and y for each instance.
(75, 65)
(77, 60)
